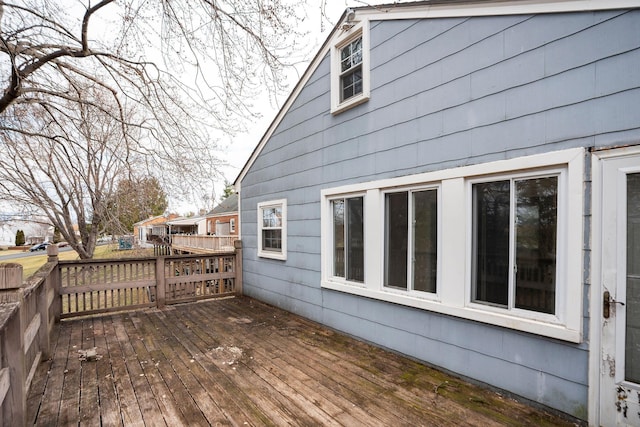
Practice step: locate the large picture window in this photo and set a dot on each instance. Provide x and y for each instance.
(411, 240)
(272, 229)
(348, 238)
(515, 226)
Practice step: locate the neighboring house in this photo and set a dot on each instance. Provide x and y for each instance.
(187, 225)
(36, 230)
(152, 229)
(460, 182)
(211, 233)
(223, 219)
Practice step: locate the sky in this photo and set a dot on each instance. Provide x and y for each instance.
(238, 150)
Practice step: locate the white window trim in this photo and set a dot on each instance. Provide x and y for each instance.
(232, 225)
(360, 29)
(282, 255)
(453, 285)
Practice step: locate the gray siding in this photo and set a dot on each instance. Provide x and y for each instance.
(447, 93)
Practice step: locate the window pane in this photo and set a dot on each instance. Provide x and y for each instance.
(338, 237)
(272, 240)
(536, 225)
(396, 236)
(345, 58)
(632, 335)
(356, 52)
(425, 240)
(351, 55)
(272, 217)
(491, 242)
(355, 239)
(351, 83)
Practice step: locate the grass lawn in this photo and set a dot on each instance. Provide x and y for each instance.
(31, 264)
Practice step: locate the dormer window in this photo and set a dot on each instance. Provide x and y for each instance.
(350, 67)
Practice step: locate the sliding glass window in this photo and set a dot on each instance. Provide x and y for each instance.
(411, 240)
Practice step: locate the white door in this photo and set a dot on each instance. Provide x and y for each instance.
(620, 289)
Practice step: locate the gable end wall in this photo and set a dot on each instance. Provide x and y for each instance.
(446, 93)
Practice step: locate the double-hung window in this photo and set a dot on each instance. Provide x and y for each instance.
(411, 240)
(272, 234)
(515, 226)
(350, 68)
(348, 238)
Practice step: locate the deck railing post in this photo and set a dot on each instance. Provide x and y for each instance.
(160, 282)
(237, 244)
(15, 402)
(47, 297)
(10, 276)
(55, 282)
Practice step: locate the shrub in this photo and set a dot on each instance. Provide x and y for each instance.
(19, 238)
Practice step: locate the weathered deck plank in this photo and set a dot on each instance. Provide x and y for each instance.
(89, 400)
(130, 411)
(233, 404)
(274, 357)
(69, 404)
(240, 362)
(150, 405)
(54, 371)
(109, 408)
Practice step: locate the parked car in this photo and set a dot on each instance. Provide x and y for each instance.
(63, 244)
(39, 247)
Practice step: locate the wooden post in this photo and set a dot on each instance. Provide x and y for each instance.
(55, 284)
(12, 298)
(160, 283)
(52, 253)
(14, 407)
(10, 276)
(237, 244)
(47, 296)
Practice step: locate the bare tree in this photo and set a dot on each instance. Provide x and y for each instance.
(93, 89)
(69, 170)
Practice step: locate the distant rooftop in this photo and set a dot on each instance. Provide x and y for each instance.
(228, 205)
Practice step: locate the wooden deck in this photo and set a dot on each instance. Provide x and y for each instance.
(239, 362)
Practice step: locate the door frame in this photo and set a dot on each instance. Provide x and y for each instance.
(596, 361)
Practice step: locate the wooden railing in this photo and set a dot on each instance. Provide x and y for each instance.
(61, 289)
(27, 316)
(202, 244)
(99, 286)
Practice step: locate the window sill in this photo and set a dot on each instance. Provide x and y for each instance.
(505, 320)
(272, 255)
(350, 103)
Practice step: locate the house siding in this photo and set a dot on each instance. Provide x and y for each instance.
(447, 93)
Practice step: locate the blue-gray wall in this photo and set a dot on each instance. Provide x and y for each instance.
(446, 93)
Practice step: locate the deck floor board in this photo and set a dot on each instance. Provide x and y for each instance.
(239, 362)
